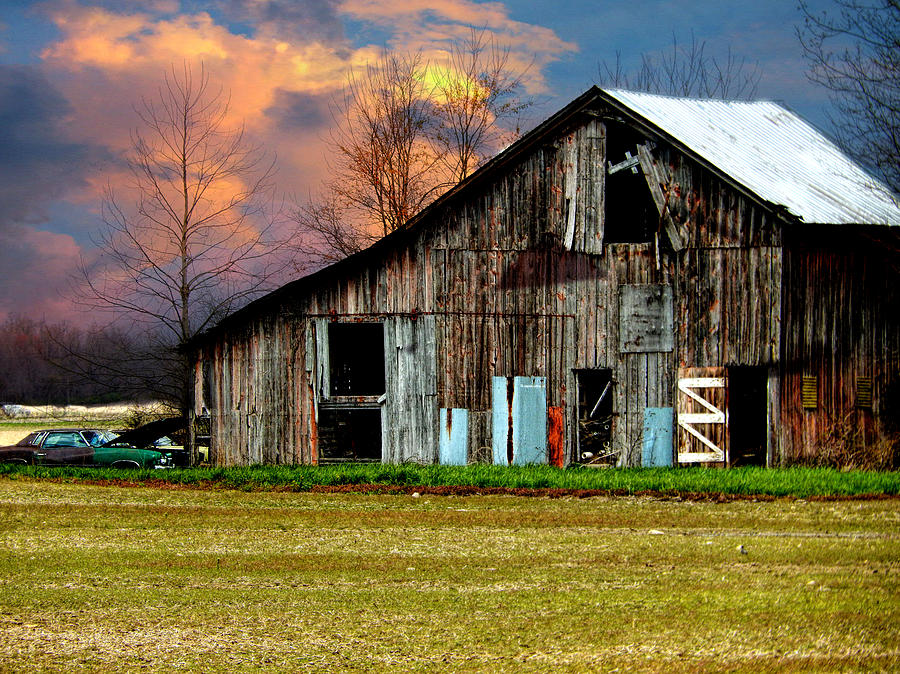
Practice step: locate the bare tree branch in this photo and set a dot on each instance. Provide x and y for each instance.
(476, 92)
(686, 71)
(381, 158)
(854, 52)
(404, 132)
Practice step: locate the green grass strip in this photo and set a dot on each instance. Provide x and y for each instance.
(796, 482)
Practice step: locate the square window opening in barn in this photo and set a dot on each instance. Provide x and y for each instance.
(349, 435)
(631, 215)
(356, 355)
(747, 415)
(595, 417)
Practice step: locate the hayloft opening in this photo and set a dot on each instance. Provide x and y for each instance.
(356, 354)
(630, 214)
(595, 416)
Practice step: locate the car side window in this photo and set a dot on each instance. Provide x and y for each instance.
(69, 439)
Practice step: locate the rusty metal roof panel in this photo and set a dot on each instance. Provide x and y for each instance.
(773, 153)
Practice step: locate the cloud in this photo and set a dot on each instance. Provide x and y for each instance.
(37, 268)
(431, 26)
(67, 121)
(40, 162)
(125, 56)
(278, 79)
(304, 21)
(292, 111)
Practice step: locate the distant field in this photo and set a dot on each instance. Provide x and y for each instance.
(44, 412)
(12, 432)
(20, 420)
(103, 578)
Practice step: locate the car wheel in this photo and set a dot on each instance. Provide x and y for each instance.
(126, 464)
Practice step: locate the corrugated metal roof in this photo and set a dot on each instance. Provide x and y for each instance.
(772, 152)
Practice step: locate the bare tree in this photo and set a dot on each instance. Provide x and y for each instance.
(37, 363)
(382, 162)
(686, 71)
(854, 51)
(198, 239)
(476, 91)
(399, 142)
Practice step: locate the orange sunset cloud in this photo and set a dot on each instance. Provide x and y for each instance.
(280, 73)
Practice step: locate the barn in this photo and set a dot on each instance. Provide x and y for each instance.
(640, 280)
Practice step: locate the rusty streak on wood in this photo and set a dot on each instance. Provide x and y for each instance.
(555, 438)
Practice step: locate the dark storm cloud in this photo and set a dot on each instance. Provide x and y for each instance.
(39, 164)
(293, 111)
(303, 20)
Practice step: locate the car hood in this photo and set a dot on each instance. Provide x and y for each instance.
(147, 434)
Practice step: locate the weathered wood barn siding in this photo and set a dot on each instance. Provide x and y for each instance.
(728, 283)
(842, 328)
(519, 274)
(485, 289)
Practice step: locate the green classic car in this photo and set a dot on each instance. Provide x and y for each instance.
(85, 447)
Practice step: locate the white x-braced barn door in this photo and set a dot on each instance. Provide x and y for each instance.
(702, 415)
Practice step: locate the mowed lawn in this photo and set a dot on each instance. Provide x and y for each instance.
(102, 578)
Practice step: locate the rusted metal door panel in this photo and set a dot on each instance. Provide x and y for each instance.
(702, 415)
(454, 435)
(556, 437)
(657, 440)
(519, 408)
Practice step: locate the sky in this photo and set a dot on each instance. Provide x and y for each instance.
(72, 72)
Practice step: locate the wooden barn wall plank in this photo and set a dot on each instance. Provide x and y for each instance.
(842, 307)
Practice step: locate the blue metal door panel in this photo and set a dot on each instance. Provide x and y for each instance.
(499, 421)
(529, 417)
(519, 410)
(452, 449)
(657, 444)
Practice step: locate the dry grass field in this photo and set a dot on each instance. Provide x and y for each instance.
(103, 578)
(27, 418)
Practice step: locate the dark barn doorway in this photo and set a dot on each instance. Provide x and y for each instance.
(349, 435)
(595, 417)
(350, 417)
(747, 415)
(356, 352)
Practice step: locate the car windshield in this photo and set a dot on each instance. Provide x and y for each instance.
(97, 438)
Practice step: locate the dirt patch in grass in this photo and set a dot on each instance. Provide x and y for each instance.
(552, 492)
(465, 490)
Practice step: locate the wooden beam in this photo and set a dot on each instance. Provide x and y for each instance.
(659, 187)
